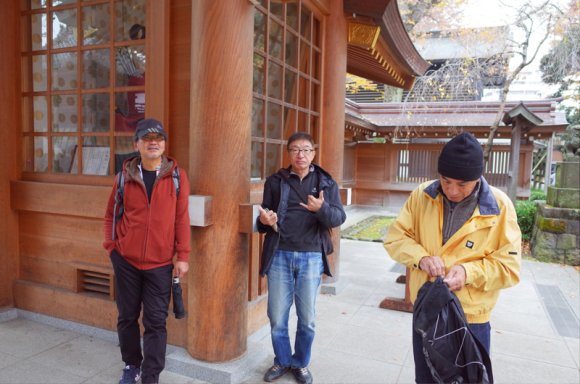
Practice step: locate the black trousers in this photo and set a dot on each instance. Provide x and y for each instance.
(152, 288)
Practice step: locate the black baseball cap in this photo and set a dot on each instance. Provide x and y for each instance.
(147, 126)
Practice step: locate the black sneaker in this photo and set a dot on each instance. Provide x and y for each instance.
(302, 375)
(131, 374)
(275, 373)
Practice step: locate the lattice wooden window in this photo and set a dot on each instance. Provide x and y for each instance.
(287, 81)
(83, 83)
(416, 166)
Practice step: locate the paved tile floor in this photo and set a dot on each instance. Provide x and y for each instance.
(356, 341)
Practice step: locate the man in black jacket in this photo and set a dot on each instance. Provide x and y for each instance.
(300, 206)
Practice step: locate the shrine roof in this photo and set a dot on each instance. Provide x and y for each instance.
(388, 116)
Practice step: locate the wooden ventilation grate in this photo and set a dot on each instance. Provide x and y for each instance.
(95, 279)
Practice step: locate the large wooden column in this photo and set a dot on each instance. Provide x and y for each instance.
(334, 94)
(11, 155)
(219, 166)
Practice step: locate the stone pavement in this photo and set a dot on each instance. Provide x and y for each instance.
(356, 341)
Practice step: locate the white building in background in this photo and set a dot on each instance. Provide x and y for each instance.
(527, 86)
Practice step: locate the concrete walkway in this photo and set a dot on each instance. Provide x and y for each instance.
(356, 341)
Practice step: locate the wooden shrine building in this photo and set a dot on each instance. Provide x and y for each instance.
(414, 134)
(231, 80)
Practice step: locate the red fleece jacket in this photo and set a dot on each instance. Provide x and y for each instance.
(148, 235)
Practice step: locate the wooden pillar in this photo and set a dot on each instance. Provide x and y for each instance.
(219, 166)
(334, 94)
(514, 160)
(10, 101)
(157, 53)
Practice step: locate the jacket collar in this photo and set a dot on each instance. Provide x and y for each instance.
(487, 202)
(131, 167)
(324, 177)
(311, 169)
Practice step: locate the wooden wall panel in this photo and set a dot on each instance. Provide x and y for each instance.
(51, 242)
(370, 164)
(369, 197)
(83, 308)
(64, 199)
(349, 164)
(65, 304)
(62, 227)
(257, 315)
(47, 272)
(398, 198)
(54, 249)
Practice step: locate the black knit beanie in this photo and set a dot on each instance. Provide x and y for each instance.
(461, 158)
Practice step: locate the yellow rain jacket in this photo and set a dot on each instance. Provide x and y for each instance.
(488, 245)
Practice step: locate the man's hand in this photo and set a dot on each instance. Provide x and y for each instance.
(267, 218)
(433, 265)
(181, 268)
(314, 204)
(455, 279)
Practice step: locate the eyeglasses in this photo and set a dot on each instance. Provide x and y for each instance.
(151, 138)
(296, 151)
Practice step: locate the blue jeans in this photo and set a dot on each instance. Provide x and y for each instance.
(422, 372)
(293, 275)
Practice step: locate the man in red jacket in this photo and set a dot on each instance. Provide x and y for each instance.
(153, 227)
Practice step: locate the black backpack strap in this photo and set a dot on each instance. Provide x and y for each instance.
(294, 184)
(176, 180)
(119, 200)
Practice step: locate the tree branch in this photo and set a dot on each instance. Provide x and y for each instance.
(548, 30)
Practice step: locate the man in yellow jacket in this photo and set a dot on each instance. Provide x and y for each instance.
(462, 229)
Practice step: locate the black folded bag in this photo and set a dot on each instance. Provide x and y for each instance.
(452, 352)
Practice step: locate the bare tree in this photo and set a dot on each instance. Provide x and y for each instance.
(485, 61)
(420, 16)
(529, 18)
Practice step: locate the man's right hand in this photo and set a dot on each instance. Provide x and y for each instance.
(267, 218)
(433, 265)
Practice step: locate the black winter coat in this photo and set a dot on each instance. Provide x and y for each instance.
(330, 215)
(452, 352)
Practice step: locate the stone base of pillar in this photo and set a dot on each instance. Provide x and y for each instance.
(334, 288)
(182, 363)
(7, 314)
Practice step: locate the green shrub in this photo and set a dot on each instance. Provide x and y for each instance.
(526, 211)
(538, 194)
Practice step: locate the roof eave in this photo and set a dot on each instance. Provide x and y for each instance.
(385, 14)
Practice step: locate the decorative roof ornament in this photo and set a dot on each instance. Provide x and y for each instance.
(363, 35)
